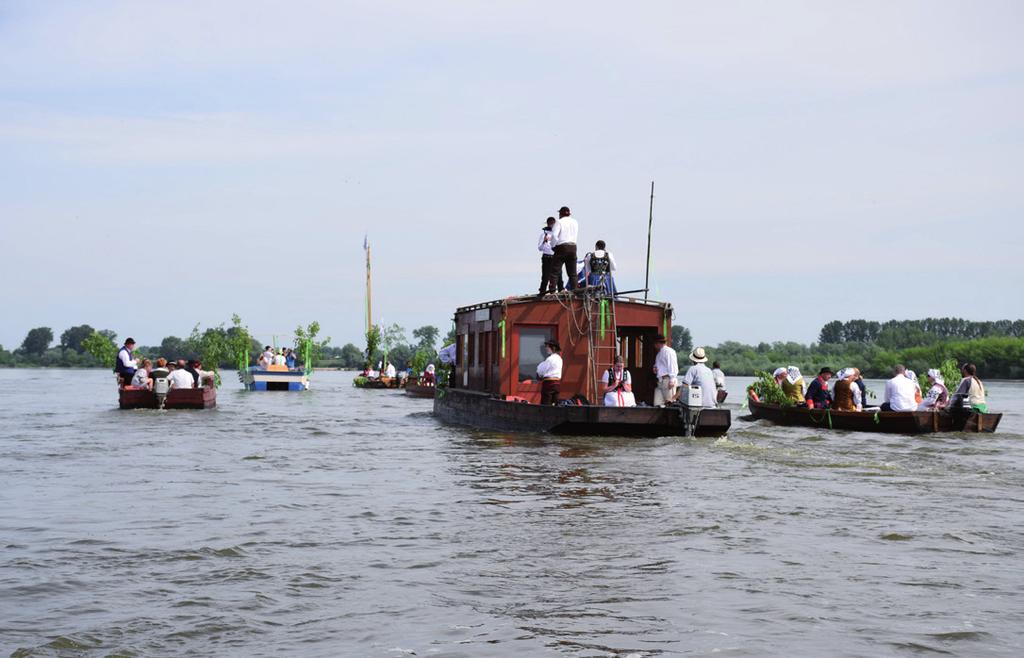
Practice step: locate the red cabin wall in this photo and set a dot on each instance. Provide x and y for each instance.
(481, 367)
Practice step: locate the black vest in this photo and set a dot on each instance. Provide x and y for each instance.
(600, 265)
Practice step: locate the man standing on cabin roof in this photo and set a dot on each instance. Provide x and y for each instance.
(666, 367)
(564, 234)
(546, 247)
(125, 366)
(549, 372)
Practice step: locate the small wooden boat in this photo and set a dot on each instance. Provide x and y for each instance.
(273, 378)
(420, 390)
(890, 422)
(377, 382)
(500, 343)
(178, 398)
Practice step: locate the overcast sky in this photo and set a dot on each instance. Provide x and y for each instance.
(167, 163)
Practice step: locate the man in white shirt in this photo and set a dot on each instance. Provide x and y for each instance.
(179, 377)
(546, 247)
(126, 364)
(899, 392)
(549, 372)
(666, 367)
(390, 371)
(700, 375)
(716, 370)
(266, 358)
(564, 234)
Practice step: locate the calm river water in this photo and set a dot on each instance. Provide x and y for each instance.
(342, 522)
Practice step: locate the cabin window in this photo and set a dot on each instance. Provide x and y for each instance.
(531, 349)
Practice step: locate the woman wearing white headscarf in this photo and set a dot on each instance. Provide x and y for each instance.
(793, 385)
(938, 395)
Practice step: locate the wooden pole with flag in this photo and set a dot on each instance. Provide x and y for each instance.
(650, 222)
(369, 288)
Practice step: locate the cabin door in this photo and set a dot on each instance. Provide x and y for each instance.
(637, 348)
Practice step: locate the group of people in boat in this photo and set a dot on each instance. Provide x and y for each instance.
(183, 373)
(557, 246)
(903, 391)
(282, 357)
(617, 382)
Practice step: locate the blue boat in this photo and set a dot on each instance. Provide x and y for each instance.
(274, 378)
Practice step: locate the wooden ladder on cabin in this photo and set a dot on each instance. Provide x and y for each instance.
(601, 355)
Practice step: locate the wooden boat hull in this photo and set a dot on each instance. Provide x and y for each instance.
(181, 398)
(415, 390)
(481, 410)
(888, 422)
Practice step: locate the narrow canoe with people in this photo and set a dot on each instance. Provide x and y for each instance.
(905, 408)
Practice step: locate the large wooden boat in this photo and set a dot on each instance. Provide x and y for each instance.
(500, 343)
(179, 398)
(889, 422)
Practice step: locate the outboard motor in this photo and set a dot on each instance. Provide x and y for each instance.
(690, 406)
(161, 386)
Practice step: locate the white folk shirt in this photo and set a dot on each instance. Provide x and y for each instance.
(719, 377)
(390, 370)
(127, 363)
(626, 377)
(700, 375)
(545, 246)
(141, 378)
(899, 393)
(550, 368)
(181, 379)
(666, 363)
(565, 231)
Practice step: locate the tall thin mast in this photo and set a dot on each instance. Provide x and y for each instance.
(650, 222)
(369, 288)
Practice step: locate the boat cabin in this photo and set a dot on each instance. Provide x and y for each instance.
(500, 343)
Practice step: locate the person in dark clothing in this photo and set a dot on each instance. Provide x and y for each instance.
(546, 247)
(193, 369)
(564, 235)
(818, 395)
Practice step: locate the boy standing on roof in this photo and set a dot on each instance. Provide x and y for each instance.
(546, 247)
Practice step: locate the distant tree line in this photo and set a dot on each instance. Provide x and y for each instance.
(997, 348)
(901, 334)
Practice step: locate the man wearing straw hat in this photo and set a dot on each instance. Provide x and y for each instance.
(699, 374)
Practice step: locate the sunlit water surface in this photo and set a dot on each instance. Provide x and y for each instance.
(346, 522)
